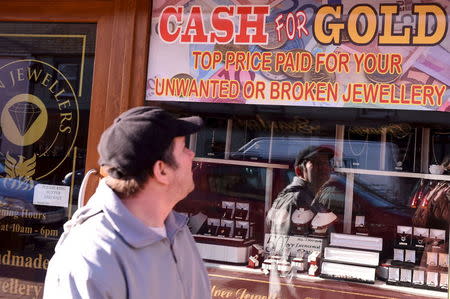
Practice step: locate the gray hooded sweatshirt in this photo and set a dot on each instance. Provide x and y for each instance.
(106, 252)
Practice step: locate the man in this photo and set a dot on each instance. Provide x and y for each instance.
(127, 242)
(312, 169)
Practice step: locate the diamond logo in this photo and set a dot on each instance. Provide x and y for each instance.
(24, 114)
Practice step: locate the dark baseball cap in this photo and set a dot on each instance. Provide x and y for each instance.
(312, 151)
(139, 137)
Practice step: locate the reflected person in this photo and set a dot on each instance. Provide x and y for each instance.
(312, 168)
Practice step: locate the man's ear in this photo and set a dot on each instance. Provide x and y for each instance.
(298, 170)
(160, 172)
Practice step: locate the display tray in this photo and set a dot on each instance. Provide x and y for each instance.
(352, 256)
(347, 279)
(347, 272)
(356, 242)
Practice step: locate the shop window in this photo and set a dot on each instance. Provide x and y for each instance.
(46, 77)
(376, 192)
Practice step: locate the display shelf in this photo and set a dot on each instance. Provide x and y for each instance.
(242, 163)
(324, 285)
(340, 170)
(394, 174)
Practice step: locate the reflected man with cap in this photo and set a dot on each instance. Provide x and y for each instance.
(312, 169)
(127, 242)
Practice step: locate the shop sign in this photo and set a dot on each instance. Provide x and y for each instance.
(293, 245)
(301, 53)
(39, 118)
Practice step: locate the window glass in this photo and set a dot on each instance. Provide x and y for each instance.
(372, 214)
(45, 82)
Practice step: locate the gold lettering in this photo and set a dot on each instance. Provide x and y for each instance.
(34, 74)
(2, 85)
(394, 129)
(12, 78)
(66, 116)
(59, 93)
(20, 75)
(261, 121)
(10, 259)
(46, 79)
(22, 289)
(65, 104)
(241, 293)
(221, 293)
(5, 286)
(28, 262)
(15, 286)
(17, 260)
(53, 86)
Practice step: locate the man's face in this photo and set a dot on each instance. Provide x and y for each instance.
(317, 170)
(182, 182)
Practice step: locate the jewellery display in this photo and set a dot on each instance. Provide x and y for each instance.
(212, 225)
(352, 256)
(437, 238)
(432, 259)
(322, 221)
(433, 147)
(410, 256)
(393, 275)
(242, 230)
(211, 149)
(283, 267)
(405, 276)
(400, 161)
(364, 148)
(268, 265)
(404, 236)
(360, 226)
(348, 272)
(354, 263)
(419, 236)
(443, 260)
(256, 256)
(301, 220)
(226, 228)
(302, 216)
(313, 262)
(418, 277)
(432, 279)
(253, 261)
(443, 280)
(228, 208)
(213, 138)
(356, 242)
(399, 254)
(436, 169)
(299, 263)
(242, 211)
